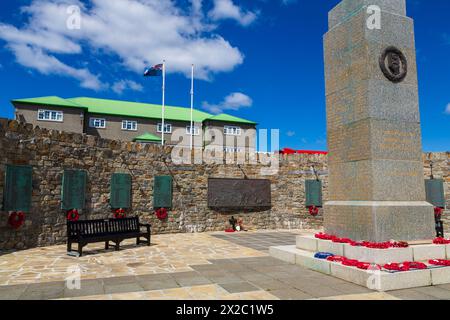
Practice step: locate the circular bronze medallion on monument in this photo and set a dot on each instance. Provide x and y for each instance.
(393, 64)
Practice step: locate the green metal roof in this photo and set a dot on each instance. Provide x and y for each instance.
(131, 109)
(227, 118)
(142, 110)
(147, 137)
(51, 100)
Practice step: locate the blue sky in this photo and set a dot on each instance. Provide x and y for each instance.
(257, 59)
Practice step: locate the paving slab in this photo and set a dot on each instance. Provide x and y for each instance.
(291, 294)
(149, 285)
(123, 288)
(87, 288)
(44, 291)
(409, 294)
(238, 287)
(12, 292)
(190, 279)
(438, 293)
(269, 285)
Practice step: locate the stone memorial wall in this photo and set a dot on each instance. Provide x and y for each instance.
(51, 152)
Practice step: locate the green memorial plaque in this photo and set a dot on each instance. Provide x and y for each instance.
(120, 191)
(18, 188)
(162, 192)
(313, 192)
(435, 192)
(73, 193)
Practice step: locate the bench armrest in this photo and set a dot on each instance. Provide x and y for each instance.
(146, 225)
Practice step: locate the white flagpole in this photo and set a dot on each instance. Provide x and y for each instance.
(192, 108)
(163, 100)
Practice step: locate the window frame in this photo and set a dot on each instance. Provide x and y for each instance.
(232, 149)
(92, 121)
(196, 130)
(232, 130)
(59, 115)
(159, 128)
(125, 125)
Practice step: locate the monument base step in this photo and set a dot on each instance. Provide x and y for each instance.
(372, 279)
(415, 252)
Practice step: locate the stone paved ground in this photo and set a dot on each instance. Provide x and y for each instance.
(183, 266)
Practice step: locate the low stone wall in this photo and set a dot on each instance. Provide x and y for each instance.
(50, 152)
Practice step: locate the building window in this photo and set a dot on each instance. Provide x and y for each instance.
(232, 149)
(50, 115)
(194, 131)
(232, 131)
(167, 128)
(129, 125)
(97, 123)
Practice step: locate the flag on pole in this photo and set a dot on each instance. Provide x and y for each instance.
(158, 71)
(155, 71)
(192, 108)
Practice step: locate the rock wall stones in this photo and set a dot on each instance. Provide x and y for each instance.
(50, 152)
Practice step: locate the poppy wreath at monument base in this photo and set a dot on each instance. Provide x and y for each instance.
(161, 213)
(73, 215)
(353, 263)
(16, 219)
(440, 262)
(441, 241)
(405, 266)
(119, 214)
(313, 210)
(367, 244)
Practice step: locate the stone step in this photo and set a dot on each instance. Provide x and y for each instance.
(375, 280)
(422, 252)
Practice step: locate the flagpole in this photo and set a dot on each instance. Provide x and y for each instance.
(163, 100)
(192, 107)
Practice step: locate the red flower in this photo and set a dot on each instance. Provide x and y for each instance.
(367, 244)
(16, 219)
(324, 236)
(73, 215)
(405, 266)
(119, 214)
(161, 213)
(313, 210)
(440, 262)
(441, 241)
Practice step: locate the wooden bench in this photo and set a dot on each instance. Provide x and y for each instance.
(83, 232)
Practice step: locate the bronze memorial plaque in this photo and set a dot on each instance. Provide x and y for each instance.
(239, 193)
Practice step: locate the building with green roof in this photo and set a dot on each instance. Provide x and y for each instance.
(134, 121)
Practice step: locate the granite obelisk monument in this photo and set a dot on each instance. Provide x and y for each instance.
(376, 185)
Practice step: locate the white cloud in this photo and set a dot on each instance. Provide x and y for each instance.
(136, 32)
(447, 109)
(233, 101)
(226, 9)
(290, 133)
(120, 86)
(37, 59)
